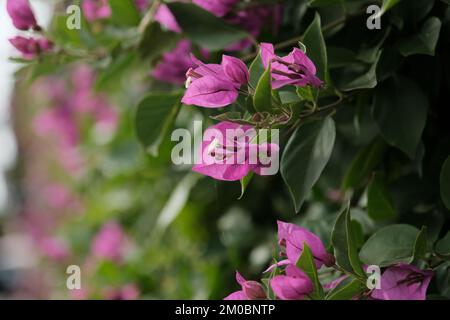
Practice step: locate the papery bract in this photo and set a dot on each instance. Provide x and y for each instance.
(235, 69)
(214, 85)
(250, 290)
(403, 282)
(292, 238)
(21, 14)
(294, 285)
(227, 154)
(294, 69)
(30, 47)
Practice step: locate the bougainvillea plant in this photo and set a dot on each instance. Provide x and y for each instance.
(351, 96)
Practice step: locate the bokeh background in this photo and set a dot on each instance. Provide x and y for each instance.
(77, 188)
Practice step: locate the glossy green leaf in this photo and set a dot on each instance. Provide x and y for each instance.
(363, 164)
(307, 265)
(346, 290)
(155, 41)
(203, 28)
(124, 12)
(390, 245)
(344, 244)
(400, 111)
(256, 70)
(317, 50)
(379, 202)
(423, 42)
(443, 246)
(445, 183)
(244, 183)
(262, 100)
(305, 157)
(420, 245)
(154, 117)
(367, 79)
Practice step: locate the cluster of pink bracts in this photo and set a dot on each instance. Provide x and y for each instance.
(173, 65)
(398, 282)
(23, 19)
(218, 85)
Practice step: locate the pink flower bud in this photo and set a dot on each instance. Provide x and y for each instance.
(21, 14)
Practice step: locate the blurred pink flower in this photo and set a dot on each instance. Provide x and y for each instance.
(165, 17)
(109, 242)
(21, 14)
(59, 196)
(127, 292)
(96, 9)
(254, 19)
(294, 69)
(216, 7)
(173, 65)
(250, 290)
(141, 4)
(53, 248)
(403, 282)
(295, 285)
(30, 47)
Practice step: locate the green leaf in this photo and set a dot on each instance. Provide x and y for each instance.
(203, 28)
(70, 38)
(262, 100)
(244, 183)
(387, 4)
(445, 183)
(390, 245)
(307, 93)
(379, 203)
(256, 70)
(420, 245)
(115, 70)
(154, 117)
(400, 111)
(344, 243)
(307, 265)
(305, 157)
(367, 79)
(155, 41)
(424, 42)
(124, 12)
(366, 160)
(346, 290)
(443, 246)
(317, 50)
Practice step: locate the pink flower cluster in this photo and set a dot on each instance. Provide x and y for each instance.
(398, 282)
(23, 19)
(227, 155)
(173, 65)
(69, 104)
